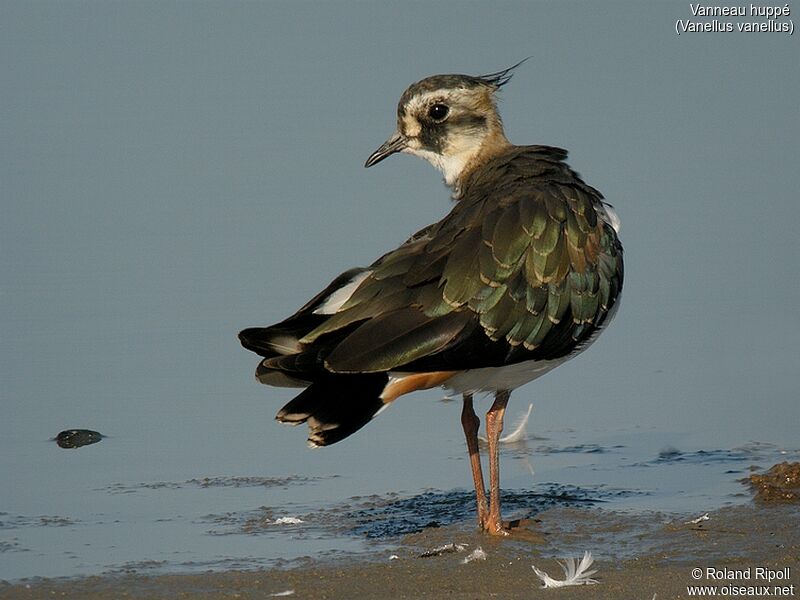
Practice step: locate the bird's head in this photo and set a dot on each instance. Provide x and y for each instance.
(449, 120)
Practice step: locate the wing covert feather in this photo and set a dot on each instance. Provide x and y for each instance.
(521, 269)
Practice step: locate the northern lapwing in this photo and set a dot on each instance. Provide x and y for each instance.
(520, 276)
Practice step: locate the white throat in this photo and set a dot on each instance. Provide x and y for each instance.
(461, 154)
(451, 166)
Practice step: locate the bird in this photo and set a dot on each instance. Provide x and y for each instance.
(521, 275)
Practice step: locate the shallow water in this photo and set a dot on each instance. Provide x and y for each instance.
(79, 514)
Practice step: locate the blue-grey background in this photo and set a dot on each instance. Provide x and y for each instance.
(171, 172)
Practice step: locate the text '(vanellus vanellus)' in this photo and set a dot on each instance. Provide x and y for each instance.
(520, 276)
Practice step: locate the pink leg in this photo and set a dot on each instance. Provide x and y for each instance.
(494, 426)
(470, 423)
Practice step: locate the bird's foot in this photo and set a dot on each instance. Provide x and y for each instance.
(497, 527)
(517, 527)
(500, 531)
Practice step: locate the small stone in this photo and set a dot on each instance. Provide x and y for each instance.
(75, 438)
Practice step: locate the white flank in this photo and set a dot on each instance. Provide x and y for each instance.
(492, 379)
(285, 593)
(335, 301)
(574, 574)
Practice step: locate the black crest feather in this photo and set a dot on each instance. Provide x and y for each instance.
(500, 78)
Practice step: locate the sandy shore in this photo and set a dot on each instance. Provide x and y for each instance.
(636, 557)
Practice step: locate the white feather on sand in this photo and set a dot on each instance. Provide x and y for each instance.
(698, 520)
(573, 574)
(443, 549)
(288, 521)
(477, 554)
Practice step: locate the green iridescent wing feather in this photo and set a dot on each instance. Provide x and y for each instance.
(522, 268)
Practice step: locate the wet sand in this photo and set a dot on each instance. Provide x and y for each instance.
(637, 556)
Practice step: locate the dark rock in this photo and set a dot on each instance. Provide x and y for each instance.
(75, 438)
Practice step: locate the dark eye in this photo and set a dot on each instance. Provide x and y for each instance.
(438, 112)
